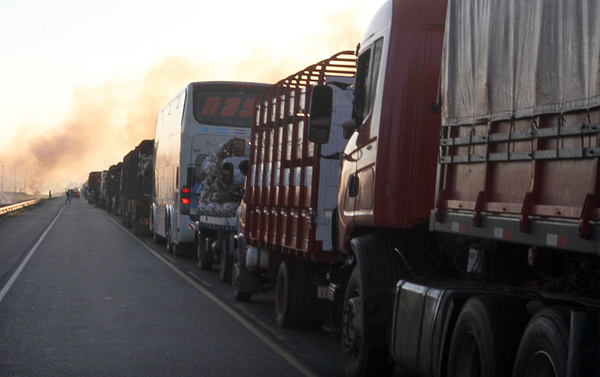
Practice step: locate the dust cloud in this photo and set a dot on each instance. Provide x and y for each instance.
(102, 124)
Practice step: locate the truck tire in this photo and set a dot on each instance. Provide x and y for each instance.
(486, 337)
(226, 263)
(204, 259)
(544, 348)
(360, 357)
(136, 226)
(237, 281)
(296, 301)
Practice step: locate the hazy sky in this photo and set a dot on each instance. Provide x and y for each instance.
(81, 81)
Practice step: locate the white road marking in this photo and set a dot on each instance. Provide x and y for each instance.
(259, 334)
(16, 274)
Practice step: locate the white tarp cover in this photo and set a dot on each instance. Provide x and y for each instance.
(518, 58)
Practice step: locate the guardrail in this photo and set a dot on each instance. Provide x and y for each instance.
(14, 207)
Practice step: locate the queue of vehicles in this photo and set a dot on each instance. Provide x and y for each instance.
(125, 188)
(432, 196)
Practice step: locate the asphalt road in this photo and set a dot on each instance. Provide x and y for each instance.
(81, 296)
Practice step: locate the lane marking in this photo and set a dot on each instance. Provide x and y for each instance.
(16, 274)
(265, 326)
(195, 276)
(253, 329)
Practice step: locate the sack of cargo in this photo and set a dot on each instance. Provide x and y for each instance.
(218, 198)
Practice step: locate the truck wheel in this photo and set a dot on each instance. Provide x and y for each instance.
(225, 267)
(203, 258)
(360, 358)
(296, 301)
(486, 337)
(136, 226)
(237, 281)
(284, 291)
(545, 345)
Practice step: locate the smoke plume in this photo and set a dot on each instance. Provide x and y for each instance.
(102, 124)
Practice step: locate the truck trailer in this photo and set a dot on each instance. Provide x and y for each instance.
(137, 175)
(469, 192)
(113, 187)
(291, 190)
(93, 187)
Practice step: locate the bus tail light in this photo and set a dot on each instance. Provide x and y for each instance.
(185, 200)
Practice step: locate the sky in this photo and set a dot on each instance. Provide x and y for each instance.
(81, 81)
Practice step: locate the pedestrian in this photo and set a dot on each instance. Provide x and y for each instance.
(50, 194)
(69, 193)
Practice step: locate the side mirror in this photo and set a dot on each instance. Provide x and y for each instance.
(349, 127)
(244, 167)
(321, 107)
(227, 176)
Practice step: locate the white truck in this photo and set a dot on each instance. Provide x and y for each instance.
(218, 186)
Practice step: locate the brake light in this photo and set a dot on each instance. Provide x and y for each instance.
(185, 200)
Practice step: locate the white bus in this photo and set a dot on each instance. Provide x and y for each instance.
(199, 118)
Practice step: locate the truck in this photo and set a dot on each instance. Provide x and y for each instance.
(217, 188)
(135, 199)
(202, 116)
(468, 214)
(93, 187)
(113, 187)
(287, 212)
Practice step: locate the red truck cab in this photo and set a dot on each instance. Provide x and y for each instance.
(389, 170)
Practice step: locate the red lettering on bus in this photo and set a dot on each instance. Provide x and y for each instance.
(211, 106)
(247, 112)
(230, 108)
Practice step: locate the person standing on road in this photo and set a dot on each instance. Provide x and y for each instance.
(69, 193)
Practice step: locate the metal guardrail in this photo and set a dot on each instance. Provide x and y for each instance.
(17, 206)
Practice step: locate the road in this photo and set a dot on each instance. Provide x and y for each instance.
(81, 296)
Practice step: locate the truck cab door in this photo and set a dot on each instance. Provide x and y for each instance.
(358, 167)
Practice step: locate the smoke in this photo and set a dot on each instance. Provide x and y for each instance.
(102, 124)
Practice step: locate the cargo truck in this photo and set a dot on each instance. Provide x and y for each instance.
(113, 187)
(137, 175)
(101, 195)
(216, 191)
(286, 216)
(93, 187)
(468, 211)
(197, 120)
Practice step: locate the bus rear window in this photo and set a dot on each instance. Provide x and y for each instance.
(224, 106)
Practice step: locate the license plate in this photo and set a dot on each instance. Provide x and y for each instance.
(325, 292)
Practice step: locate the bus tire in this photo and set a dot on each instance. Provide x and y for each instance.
(169, 237)
(486, 337)
(544, 348)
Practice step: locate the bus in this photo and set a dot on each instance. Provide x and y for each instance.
(198, 119)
